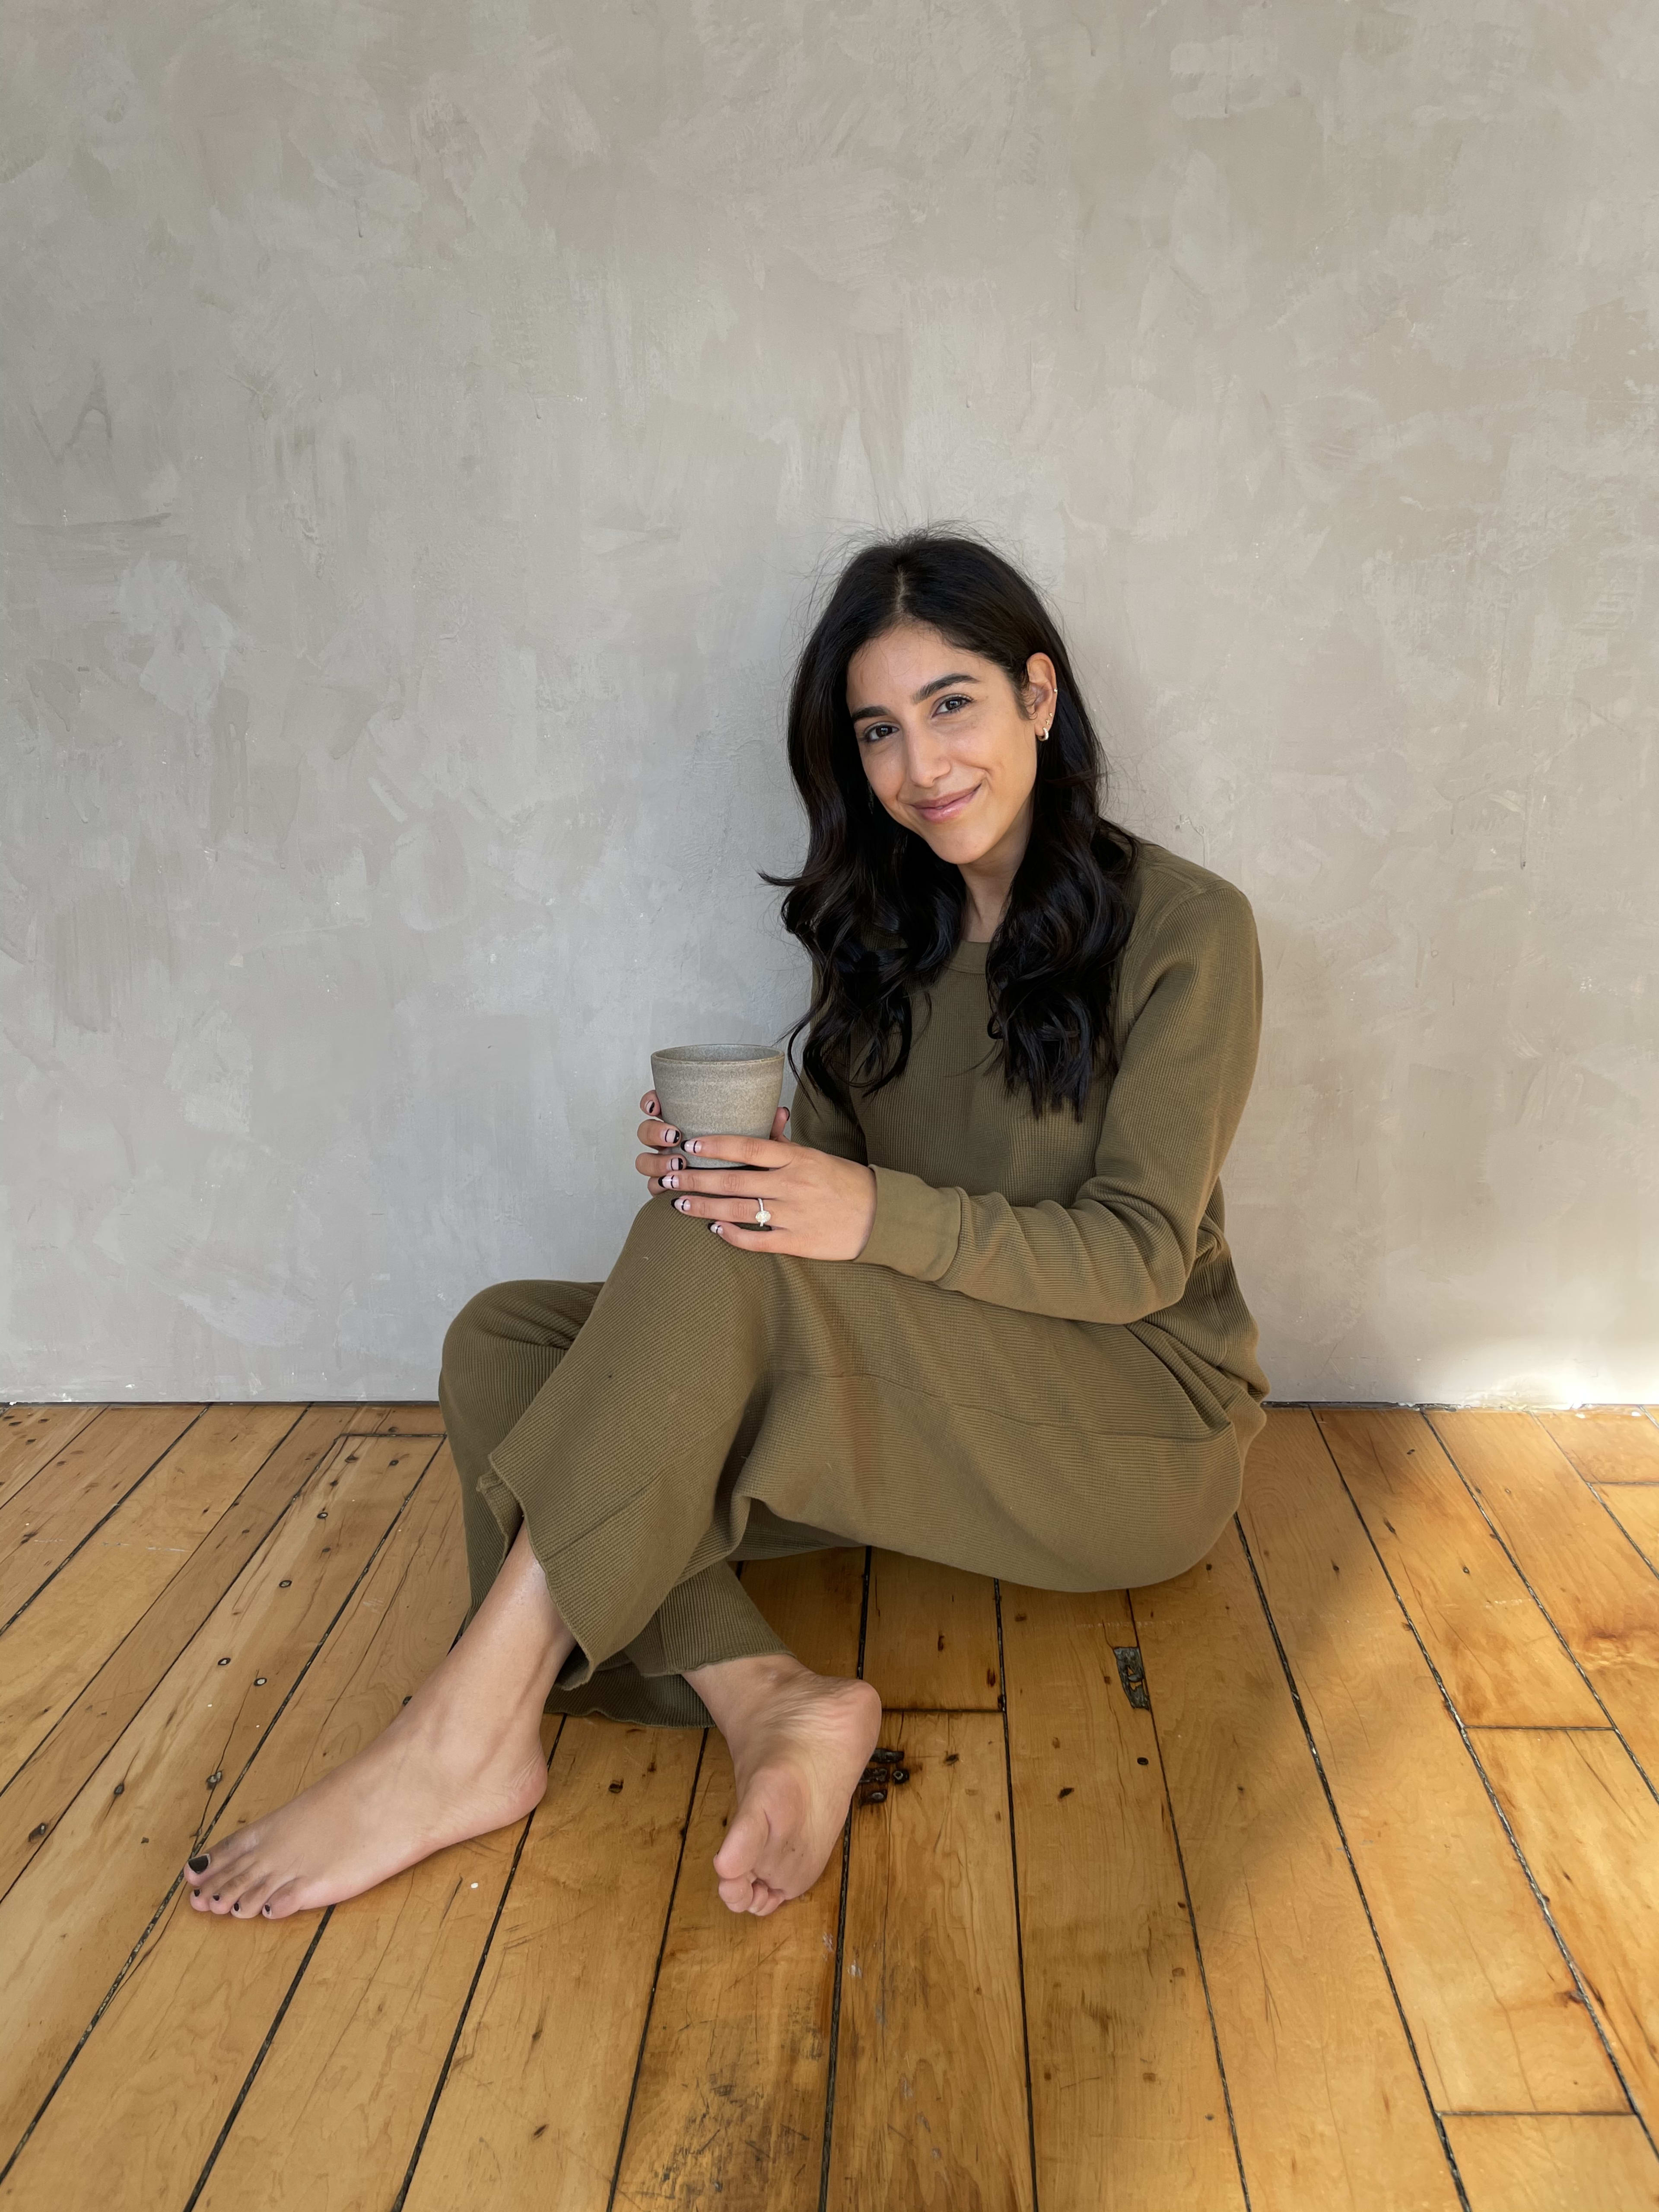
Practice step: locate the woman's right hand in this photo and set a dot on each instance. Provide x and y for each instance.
(664, 1137)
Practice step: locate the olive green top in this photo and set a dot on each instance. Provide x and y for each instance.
(1118, 1217)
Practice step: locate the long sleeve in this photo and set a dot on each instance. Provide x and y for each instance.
(1127, 1245)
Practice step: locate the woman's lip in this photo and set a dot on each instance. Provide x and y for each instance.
(943, 811)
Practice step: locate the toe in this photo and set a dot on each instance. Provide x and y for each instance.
(744, 1842)
(282, 1901)
(254, 1891)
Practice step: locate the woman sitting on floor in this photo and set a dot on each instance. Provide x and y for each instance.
(991, 1316)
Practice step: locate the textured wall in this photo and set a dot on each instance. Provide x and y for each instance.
(423, 427)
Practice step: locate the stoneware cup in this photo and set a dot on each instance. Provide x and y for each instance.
(718, 1089)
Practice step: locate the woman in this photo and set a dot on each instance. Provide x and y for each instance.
(947, 1315)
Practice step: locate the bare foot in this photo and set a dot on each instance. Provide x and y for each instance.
(429, 1779)
(800, 1742)
(463, 1756)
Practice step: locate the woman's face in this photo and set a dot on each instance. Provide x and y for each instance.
(935, 721)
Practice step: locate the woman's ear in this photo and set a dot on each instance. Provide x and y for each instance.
(1041, 689)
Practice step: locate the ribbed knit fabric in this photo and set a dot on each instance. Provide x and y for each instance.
(1119, 1216)
(1040, 1365)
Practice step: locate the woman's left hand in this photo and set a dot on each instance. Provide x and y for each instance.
(822, 1206)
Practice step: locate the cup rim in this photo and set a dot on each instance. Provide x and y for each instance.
(718, 1056)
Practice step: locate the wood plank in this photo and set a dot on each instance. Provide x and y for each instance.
(91, 1475)
(1561, 2162)
(188, 2021)
(1606, 1444)
(730, 2095)
(1635, 1507)
(33, 1803)
(930, 2083)
(74, 1916)
(1327, 2103)
(931, 1639)
(31, 1437)
(410, 1420)
(1502, 1662)
(532, 2111)
(1493, 2011)
(815, 1602)
(1597, 1586)
(1128, 2101)
(88, 1606)
(1590, 1828)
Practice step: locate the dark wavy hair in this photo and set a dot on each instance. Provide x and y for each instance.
(881, 913)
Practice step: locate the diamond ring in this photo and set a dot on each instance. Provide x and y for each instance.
(762, 1216)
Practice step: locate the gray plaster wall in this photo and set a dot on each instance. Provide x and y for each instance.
(424, 426)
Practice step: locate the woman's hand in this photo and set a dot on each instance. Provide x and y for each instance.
(821, 1205)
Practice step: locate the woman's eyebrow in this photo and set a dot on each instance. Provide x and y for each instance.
(939, 683)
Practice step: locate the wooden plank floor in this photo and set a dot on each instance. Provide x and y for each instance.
(1325, 1876)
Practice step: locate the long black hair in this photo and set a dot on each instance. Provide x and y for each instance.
(876, 907)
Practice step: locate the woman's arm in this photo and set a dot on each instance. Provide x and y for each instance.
(1128, 1244)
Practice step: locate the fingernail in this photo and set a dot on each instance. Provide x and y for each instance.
(670, 1136)
(682, 1205)
(198, 1864)
(693, 1144)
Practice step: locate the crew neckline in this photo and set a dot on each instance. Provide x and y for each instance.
(968, 958)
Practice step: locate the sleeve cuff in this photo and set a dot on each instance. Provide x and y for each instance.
(917, 1230)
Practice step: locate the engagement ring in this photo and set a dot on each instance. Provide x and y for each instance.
(762, 1216)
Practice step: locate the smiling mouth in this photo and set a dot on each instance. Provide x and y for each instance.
(939, 810)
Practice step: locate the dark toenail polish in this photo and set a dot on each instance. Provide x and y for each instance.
(195, 1892)
(198, 1864)
(215, 1897)
(236, 1908)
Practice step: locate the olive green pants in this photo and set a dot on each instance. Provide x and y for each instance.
(704, 1405)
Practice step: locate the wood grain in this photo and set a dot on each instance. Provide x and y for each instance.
(730, 2103)
(1590, 1828)
(1492, 2009)
(1635, 1507)
(931, 1640)
(90, 1476)
(1126, 2096)
(1597, 1588)
(413, 1420)
(80, 1616)
(1329, 2108)
(77, 1913)
(532, 2111)
(930, 2093)
(33, 1803)
(1579, 2162)
(731, 2096)
(31, 1437)
(187, 2024)
(814, 1602)
(1502, 1662)
(1606, 1444)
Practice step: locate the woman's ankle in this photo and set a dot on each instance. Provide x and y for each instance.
(734, 1689)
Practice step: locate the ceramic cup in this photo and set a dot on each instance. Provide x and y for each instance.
(718, 1089)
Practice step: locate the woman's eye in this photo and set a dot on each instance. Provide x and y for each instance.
(879, 730)
(957, 699)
